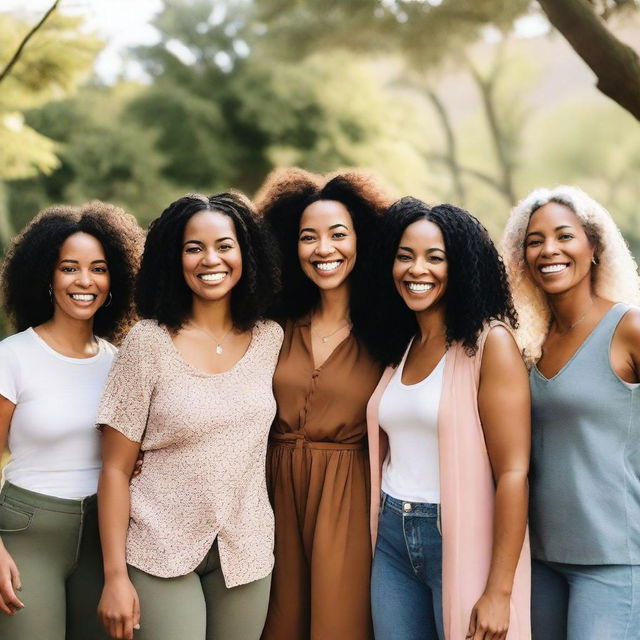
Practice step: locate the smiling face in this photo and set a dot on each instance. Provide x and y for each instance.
(420, 268)
(327, 244)
(80, 283)
(211, 256)
(558, 252)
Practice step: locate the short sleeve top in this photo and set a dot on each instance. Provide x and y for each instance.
(204, 437)
(54, 446)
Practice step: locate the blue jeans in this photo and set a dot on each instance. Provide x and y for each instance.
(585, 602)
(406, 578)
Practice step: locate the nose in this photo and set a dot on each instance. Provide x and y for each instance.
(419, 267)
(549, 247)
(324, 247)
(84, 279)
(211, 257)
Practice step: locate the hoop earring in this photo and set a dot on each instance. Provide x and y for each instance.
(595, 260)
(51, 294)
(109, 300)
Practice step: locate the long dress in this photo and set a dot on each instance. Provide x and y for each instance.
(318, 480)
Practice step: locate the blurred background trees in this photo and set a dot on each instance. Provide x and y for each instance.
(470, 101)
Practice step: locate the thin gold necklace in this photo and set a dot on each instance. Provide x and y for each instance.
(329, 335)
(219, 350)
(577, 322)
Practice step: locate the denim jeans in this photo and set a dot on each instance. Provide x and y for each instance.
(585, 602)
(406, 578)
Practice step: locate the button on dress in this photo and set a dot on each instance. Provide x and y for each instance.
(318, 480)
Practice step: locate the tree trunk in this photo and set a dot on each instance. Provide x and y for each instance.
(616, 65)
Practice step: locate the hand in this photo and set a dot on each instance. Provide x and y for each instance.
(119, 608)
(137, 467)
(490, 617)
(9, 583)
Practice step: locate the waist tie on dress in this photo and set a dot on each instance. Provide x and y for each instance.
(299, 441)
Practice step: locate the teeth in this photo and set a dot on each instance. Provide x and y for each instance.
(212, 277)
(553, 268)
(327, 266)
(419, 287)
(83, 297)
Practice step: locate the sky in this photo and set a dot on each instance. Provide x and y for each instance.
(126, 23)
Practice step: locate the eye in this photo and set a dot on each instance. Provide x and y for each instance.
(307, 238)
(533, 243)
(192, 249)
(225, 247)
(67, 269)
(101, 269)
(403, 257)
(436, 259)
(565, 236)
(339, 234)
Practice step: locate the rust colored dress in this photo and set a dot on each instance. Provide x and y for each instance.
(318, 480)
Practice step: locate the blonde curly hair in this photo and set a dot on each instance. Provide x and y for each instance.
(614, 278)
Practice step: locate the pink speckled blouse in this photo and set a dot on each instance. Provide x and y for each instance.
(205, 439)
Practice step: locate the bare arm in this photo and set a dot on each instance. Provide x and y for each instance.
(119, 608)
(505, 411)
(9, 574)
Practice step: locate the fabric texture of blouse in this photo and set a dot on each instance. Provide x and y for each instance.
(204, 437)
(55, 449)
(408, 414)
(467, 494)
(585, 458)
(318, 475)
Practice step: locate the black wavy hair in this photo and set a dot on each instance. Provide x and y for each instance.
(282, 199)
(477, 289)
(161, 291)
(32, 257)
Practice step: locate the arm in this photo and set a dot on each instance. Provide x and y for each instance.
(505, 411)
(119, 608)
(625, 347)
(9, 574)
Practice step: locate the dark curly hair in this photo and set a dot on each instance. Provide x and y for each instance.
(477, 289)
(285, 194)
(161, 291)
(33, 255)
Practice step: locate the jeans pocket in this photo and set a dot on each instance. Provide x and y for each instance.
(14, 518)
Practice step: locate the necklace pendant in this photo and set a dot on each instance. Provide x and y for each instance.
(219, 349)
(325, 338)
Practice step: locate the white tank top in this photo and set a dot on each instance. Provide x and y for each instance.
(409, 416)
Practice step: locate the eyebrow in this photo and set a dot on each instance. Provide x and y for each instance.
(78, 262)
(333, 226)
(539, 233)
(186, 242)
(431, 250)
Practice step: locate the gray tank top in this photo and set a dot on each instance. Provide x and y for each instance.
(585, 459)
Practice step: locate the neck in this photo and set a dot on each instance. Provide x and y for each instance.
(334, 305)
(212, 315)
(74, 334)
(570, 306)
(431, 324)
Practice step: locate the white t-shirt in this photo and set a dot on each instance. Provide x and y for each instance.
(55, 447)
(409, 415)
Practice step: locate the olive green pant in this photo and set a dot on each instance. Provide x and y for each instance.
(198, 606)
(56, 546)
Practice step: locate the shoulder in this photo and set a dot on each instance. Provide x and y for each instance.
(499, 348)
(143, 331)
(12, 346)
(107, 348)
(271, 329)
(629, 326)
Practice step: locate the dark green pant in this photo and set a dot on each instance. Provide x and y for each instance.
(198, 606)
(56, 546)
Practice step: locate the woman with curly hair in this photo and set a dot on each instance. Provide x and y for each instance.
(188, 546)
(448, 435)
(317, 469)
(67, 285)
(573, 280)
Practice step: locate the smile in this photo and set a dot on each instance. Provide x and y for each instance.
(83, 297)
(212, 277)
(553, 268)
(327, 267)
(419, 287)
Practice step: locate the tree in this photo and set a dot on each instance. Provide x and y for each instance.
(616, 65)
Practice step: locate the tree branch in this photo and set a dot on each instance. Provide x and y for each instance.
(616, 65)
(16, 56)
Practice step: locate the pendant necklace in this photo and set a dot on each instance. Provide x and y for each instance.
(325, 339)
(219, 350)
(577, 322)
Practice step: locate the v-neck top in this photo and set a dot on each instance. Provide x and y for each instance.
(585, 458)
(325, 403)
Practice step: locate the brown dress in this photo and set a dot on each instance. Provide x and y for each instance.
(318, 480)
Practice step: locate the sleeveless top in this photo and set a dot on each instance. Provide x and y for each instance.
(585, 458)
